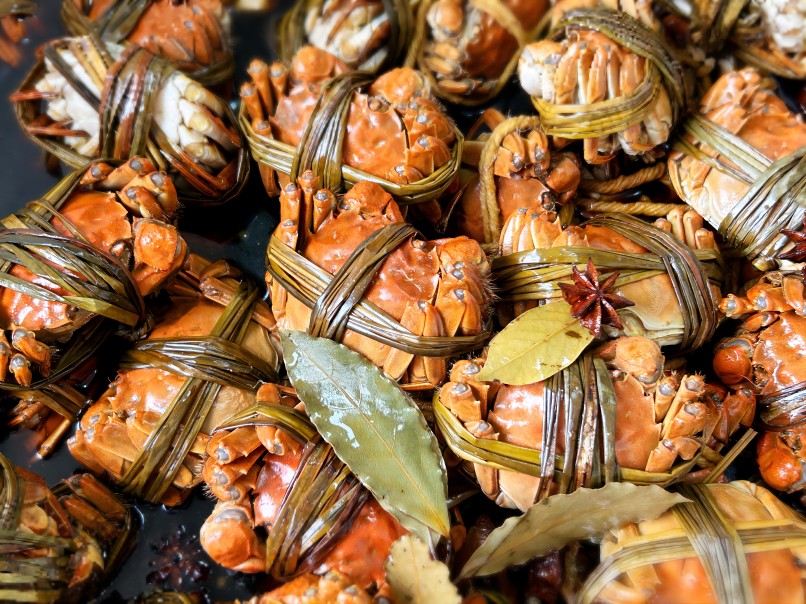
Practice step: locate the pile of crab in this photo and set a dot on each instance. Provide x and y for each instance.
(555, 356)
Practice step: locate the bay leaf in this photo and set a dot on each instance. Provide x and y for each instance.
(415, 578)
(536, 345)
(561, 519)
(373, 426)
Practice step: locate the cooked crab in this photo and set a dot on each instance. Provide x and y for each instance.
(432, 288)
(125, 212)
(193, 34)
(740, 510)
(251, 470)
(120, 429)
(85, 105)
(312, 589)
(394, 129)
(743, 104)
(526, 174)
(588, 68)
(764, 356)
(657, 311)
(662, 415)
(358, 33)
(73, 536)
(469, 47)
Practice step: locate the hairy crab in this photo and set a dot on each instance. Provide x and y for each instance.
(469, 51)
(513, 168)
(260, 470)
(604, 76)
(364, 35)
(112, 227)
(766, 35)
(406, 308)
(192, 34)
(740, 165)
(59, 544)
(534, 246)
(312, 589)
(755, 559)
(665, 419)
(393, 132)
(12, 29)
(199, 365)
(85, 100)
(764, 357)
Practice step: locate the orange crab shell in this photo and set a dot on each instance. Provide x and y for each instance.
(441, 280)
(191, 33)
(742, 103)
(775, 575)
(658, 415)
(393, 130)
(228, 535)
(765, 356)
(114, 430)
(468, 49)
(330, 588)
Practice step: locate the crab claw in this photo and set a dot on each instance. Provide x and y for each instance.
(26, 342)
(779, 466)
(229, 538)
(21, 368)
(158, 249)
(733, 361)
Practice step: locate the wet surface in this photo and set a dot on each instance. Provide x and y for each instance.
(167, 554)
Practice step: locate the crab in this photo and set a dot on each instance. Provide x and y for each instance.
(764, 356)
(355, 32)
(662, 415)
(656, 312)
(314, 589)
(433, 288)
(525, 172)
(12, 29)
(589, 67)
(468, 48)
(774, 573)
(81, 525)
(765, 34)
(115, 429)
(250, 470)
(742, 102)
(75, 86)
(394, 129)
(193, 34)
(123, 211)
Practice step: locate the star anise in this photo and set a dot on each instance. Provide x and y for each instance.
(797, 253)
(592, 302)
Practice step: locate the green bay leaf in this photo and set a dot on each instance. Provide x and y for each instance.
(536, 345)
(373, 426)
(561, 519)
(415, 578)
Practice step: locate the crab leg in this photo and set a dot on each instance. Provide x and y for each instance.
(89, 489)
(21, 368)
(252, 102)
(259, 72)
(196, 93)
